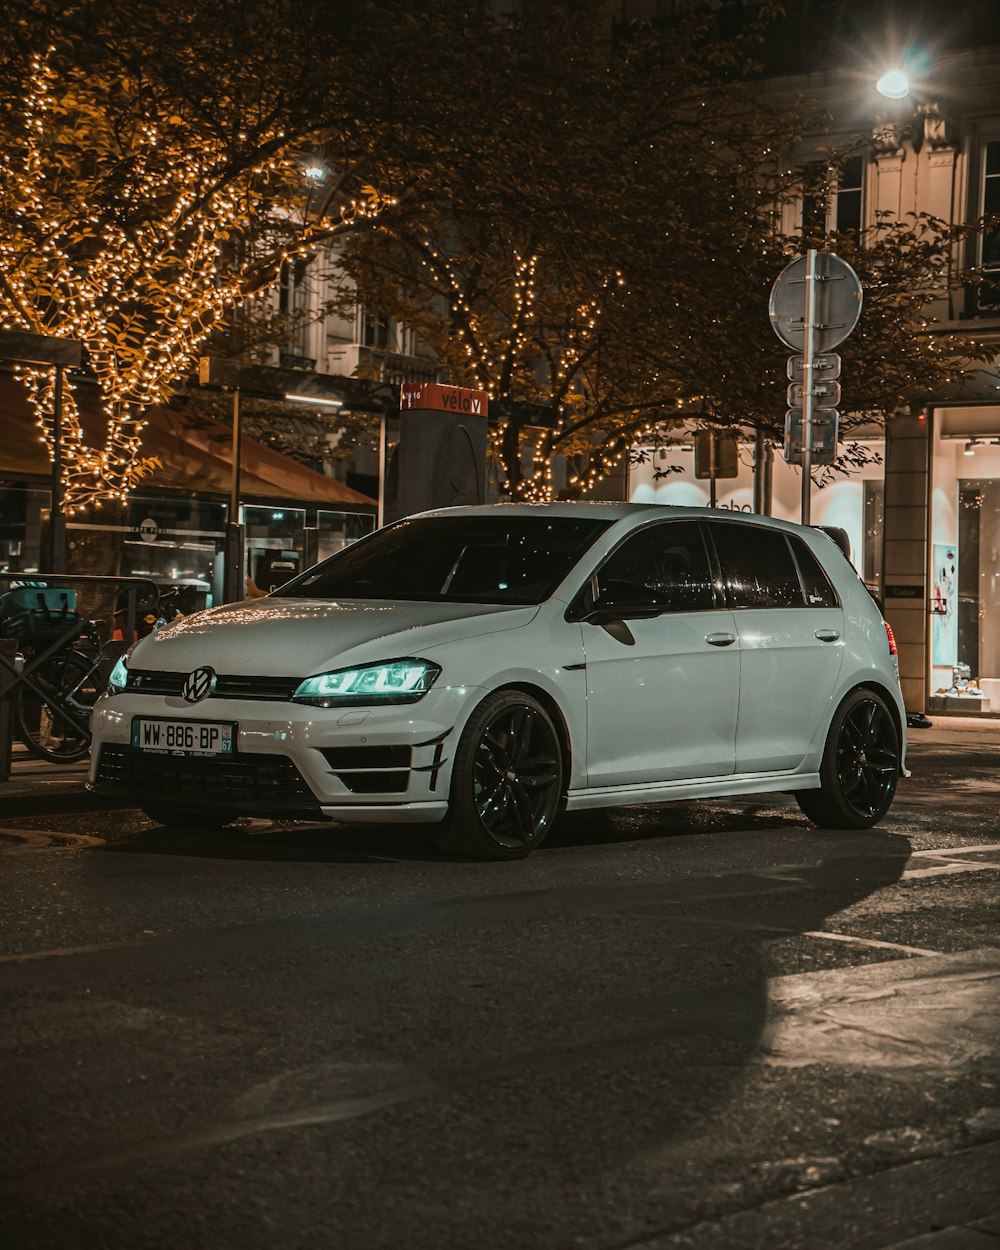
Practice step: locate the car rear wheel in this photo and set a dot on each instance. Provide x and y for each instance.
(507, 780)
(860, 767)
(187, 818)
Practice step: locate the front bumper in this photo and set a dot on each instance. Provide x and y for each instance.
(351, 764)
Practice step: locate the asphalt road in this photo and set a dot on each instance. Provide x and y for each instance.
(700, 1025)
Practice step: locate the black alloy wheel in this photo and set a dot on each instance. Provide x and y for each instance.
(860, 768)
(507, 782)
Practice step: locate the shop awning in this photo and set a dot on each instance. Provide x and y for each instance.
(195, 452)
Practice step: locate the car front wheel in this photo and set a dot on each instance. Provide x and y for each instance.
(507, 780)
(860, 767)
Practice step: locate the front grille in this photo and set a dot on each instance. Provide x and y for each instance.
(250, 784)
(146, 681)
(227, 686)
(256, 687)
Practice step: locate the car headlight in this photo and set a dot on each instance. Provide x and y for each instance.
(396, 681)
(119, 676)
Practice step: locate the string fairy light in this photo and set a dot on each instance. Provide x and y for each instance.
(142, 277)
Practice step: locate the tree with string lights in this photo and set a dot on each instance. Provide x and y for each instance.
(601, 241)
(151, 180)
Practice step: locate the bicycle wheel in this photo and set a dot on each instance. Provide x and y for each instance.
(42, 724)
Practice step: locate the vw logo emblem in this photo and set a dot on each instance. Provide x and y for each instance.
(198, 685)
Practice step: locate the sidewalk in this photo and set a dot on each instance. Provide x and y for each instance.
(30, 776)
(969, 733)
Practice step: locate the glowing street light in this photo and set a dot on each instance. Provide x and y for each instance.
(894, 85)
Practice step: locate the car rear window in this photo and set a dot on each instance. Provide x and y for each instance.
(500, 558)
(818, 589)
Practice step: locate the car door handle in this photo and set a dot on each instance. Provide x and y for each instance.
(827, 635)
(720, 640)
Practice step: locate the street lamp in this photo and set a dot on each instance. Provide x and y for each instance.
(894, 85)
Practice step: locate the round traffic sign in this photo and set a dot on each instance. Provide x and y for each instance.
(837, 303)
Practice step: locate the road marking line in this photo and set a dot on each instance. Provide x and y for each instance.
(950, 851)
(946, 870)
(858, 941)
(771, 930)
(69, 950)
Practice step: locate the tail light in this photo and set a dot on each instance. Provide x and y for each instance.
(891, 638)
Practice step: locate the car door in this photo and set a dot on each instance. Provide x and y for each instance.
(662, 692)
(791, 636)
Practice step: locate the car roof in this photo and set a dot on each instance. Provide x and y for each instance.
(613, 511)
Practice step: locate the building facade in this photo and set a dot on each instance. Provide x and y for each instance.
(925, 524)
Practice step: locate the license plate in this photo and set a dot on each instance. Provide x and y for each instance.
(183, 737)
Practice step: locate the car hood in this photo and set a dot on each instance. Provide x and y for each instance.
(298, 637)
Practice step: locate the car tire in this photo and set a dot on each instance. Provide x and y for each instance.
(187, 818)
(506, 782)
(860, 766)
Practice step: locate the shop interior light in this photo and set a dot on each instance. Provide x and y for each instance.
(313, 399)
(970, 446)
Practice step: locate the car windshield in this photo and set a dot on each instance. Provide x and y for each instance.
(501, 558)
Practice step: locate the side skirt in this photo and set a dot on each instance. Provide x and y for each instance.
(706, 788)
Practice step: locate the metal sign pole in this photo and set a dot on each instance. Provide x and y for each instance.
(380, 518)
(234, 572)
(807, 390)
(57, 515)
(812, 319)
(713, 468)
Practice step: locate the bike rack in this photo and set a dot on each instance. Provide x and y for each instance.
(12, 676)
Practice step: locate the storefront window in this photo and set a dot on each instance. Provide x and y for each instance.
(872, 523)
(274, 538)
(338, 530)
(177, 543)
(965, 563)
(24, 515)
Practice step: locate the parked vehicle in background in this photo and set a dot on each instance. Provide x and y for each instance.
(483, 669)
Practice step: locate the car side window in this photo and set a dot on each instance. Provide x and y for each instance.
(663, 566)
(757, 566)
(818, 589)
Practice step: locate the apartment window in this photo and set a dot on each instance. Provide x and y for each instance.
(293, 303)
(991, 204)
(376, 330)
(850, 187)
(984, 297)
(814, 203)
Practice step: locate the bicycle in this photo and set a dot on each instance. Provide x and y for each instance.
(51, 714)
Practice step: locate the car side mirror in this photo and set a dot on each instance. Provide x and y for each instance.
(621, 600)
(603, 613)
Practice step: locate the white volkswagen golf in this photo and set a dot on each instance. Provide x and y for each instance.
(483, 669)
